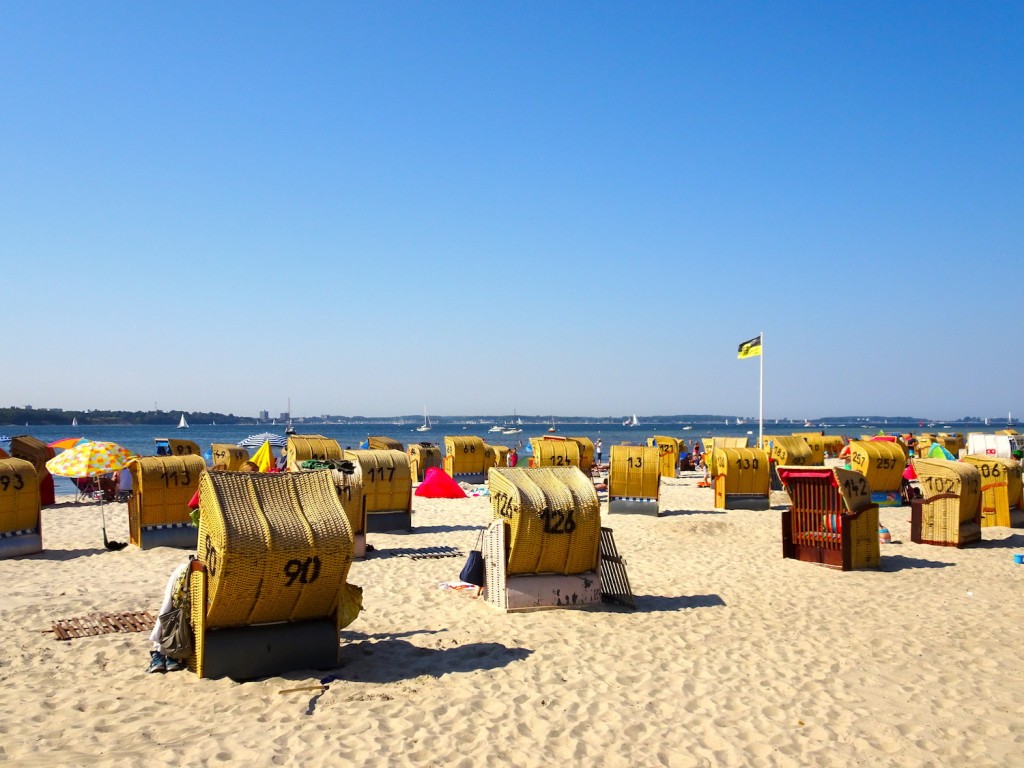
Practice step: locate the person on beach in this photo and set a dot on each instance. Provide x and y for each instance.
(513, 457)
(597, 450)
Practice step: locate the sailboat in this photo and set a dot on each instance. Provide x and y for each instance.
(1009, 418)
(74, 421)
(183, 424)
(631, 422)
(552, 427)
(514, 428)
(425, 426)
(289, 430)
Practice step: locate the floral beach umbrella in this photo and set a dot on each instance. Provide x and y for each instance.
(91, 460)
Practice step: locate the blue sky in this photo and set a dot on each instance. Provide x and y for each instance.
(578, 208)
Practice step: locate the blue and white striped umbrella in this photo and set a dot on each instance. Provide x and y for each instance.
(255, 441)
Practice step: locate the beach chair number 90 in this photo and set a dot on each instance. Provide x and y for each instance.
(305, 571)
(5, 482)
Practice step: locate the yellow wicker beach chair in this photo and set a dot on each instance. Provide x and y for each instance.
(740, 478)
(1001, 488)
(882, 462)
(711, 443)
(816, 442)
(785, 451)
(586, 446)
(465, 458)
(542, 550)
(269, 589)
(21, 527)
(381, 443)
(158, 512)
(634, 480)
(555, 452)
(497, 455)
(386, 482)
(302, 448)
(230, 456)
(423, 456)
(949, 514)
(831, 520)
(668, 449)
(833, 445)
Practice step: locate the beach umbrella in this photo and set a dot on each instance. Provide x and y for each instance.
(939, 452)
(264, 457)
(90, 459)
(254, 441)
(67, 442)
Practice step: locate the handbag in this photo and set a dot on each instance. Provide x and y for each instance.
(175, 635)
(473, 571)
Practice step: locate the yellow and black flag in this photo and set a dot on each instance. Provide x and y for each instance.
(750, 348)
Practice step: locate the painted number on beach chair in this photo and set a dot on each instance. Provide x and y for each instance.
(7, 484)
(504, 504)
(556, 521)
(301, 570)
(172, 478)
(746, 463)
(856, 487)
(212, 559)
(377, 473)
(560, 461)
(990, 470)
(885, 462)
(469, 448)
(635, 462)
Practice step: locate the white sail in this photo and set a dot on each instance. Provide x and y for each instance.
(74, 421)
(425, 426)
(183, 424)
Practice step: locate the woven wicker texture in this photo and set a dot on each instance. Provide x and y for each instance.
(464, 455)
(881, 462)
(34, 451)
(386, 479)
(555, 453)
(162, 487)
(277, 547)
(668, 449)
(586, 453)
(304, 447)
(423, 456)
(787, 450)
(1001, 488)
(184, 448)
(554, 519)
(497, 455)
(740, 470)
(381, 443)
(833, 444)
(710, 443)
(634, 472)
(952, 496)
(816, 442)
(19, 496)
(231, 456)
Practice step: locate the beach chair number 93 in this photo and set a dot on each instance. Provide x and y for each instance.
(304, 571)
(6, 482)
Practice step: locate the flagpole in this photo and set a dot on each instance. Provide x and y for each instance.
(760, 398)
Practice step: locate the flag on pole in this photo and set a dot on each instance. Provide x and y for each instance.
(751, 348)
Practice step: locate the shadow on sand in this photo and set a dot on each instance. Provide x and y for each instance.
(394, 659)
(652, 603)
(902, 562)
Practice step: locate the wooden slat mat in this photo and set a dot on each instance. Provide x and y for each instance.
(423, 553)
(103, 624)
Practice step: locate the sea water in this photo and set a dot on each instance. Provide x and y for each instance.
(141, 438)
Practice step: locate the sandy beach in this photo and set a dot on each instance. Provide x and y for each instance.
(734, 657)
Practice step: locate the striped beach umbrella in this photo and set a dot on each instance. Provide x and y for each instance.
(255, 441)
(67, 442)
(90, 459)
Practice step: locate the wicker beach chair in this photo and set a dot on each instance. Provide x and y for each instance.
(634, 480)
(740, 478)
(21, 529)
(158, 512)
(668, 450)
(785, 451)
(37, 453)
(386, 489)
(302, 448)
(831, 520)
(269, 589)
(557, 452)
(882, 463)
(1001, 491)
(465, 458)
(423, 456)
(949, 512)
(230, 457)
(381, 443)
(543, 548)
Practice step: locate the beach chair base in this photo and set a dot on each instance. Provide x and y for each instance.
(746, 501)
(473, 478)
(532, 592)
(968, 532)
(382, 522)
(17, 544)
(180, 535)
(634, 507)
(247, 653)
